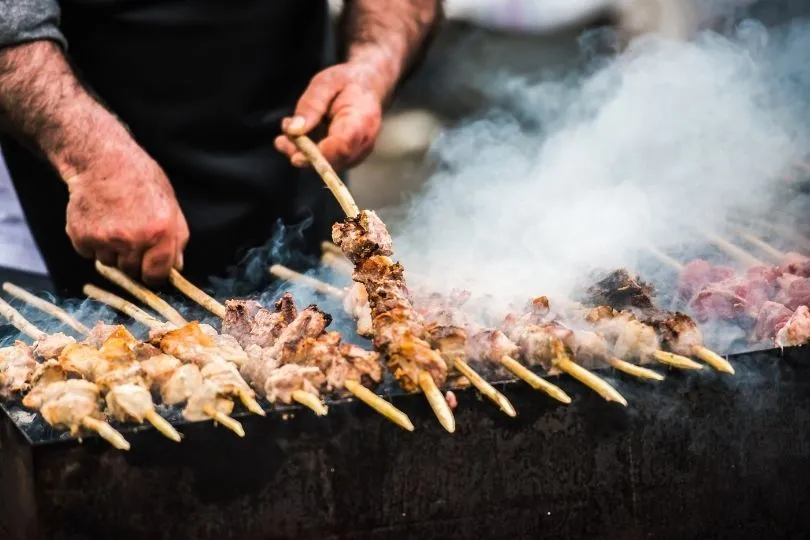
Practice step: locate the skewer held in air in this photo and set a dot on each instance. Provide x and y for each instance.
(327, 173)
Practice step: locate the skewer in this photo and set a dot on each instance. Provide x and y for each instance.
(357, 390)
(337, 263)
(19, 322)
(664, 258)
(598, 385)
(151, 416)
(287, 274)
(346, 202)
(46, 307)
(780, 230)
(332, 249)
(633, 369)
(535, 381)
(130, 309)
(124, 306)
(327, 173)
(761, 244)
(105, 430)
(141, 293)
(463, 367)
(196, 294)
(713, 359)
(486, 389)
(734, 251)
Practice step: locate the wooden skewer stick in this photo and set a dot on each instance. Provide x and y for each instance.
(761, 244)
(777, 229)
(358, 390)
(512, 365)
(152, 416)
(535, 381)
(735, 252)
(675, 360)
(329, 247)
(196, 294)
(225, 420)
(378, 404)
(601, 387)
(106, 432)
(141, 293)
(338, 264)
(327, 173)
(634, 370)
(713, 359)
(346, 202)
(130, 309)
(485, 388)
(310, 401)
(664, 258)
(124, 306)
(19, 322)
(475, 379)
(287, 274)
(437, 402)
(46, 307)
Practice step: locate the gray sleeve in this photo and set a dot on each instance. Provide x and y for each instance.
(29, 20)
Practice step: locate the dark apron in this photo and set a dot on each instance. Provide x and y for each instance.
(202, 85)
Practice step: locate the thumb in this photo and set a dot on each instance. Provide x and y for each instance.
(313, 104)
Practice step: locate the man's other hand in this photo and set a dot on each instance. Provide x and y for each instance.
(122, 211)
(349, 99)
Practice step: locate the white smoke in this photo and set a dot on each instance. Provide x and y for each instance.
(647, 148)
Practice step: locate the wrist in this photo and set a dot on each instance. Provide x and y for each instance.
(376, 67)
(84, 132)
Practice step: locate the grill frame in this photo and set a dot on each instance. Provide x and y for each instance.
(697, 455)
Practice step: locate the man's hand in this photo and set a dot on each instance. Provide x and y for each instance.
(383, 40)
(345, 96)
(123, 212)
(122, 209)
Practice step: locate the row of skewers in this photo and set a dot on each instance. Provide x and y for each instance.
(285, 354)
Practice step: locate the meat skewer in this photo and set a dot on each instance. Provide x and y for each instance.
(72, 403)
(487, 340)
(620, 290)
(399, 332)
(112, 368)
(355, 387)
(206, 400)
(458, 361)
(45, 307)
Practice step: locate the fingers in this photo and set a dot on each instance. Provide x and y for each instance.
(158, 261)
(315, 101)
(130, 262)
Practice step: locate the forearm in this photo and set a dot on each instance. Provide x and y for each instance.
(385, 38)
(43, 104)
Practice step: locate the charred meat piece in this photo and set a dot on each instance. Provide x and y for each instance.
(772, 317)
(622, 290)
(362, 237)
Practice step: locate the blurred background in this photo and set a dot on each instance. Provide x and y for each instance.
(481, 38)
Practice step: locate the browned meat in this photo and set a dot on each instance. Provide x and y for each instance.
(451, 341)
(362, 237)
(17, 366)
(676, 331)
(282, 382)
(251, 324)
(622, 290)
(51, 345)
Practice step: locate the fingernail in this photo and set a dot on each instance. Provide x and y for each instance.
(179, 262)
(297, 123)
